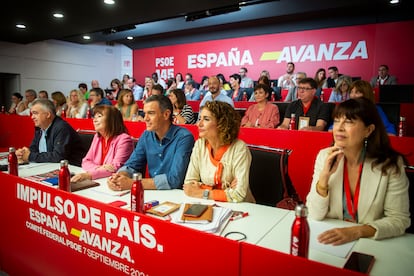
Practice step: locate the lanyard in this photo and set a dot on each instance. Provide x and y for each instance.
(352, 205)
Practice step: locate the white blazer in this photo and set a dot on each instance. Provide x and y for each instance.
(383, 199)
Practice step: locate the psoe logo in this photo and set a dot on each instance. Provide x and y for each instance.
(347, 50)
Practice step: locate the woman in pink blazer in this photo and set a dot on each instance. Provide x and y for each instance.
(110, 147)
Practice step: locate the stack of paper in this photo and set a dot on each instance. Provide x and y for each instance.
(220, 217)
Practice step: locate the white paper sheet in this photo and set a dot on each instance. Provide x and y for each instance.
(317, 227)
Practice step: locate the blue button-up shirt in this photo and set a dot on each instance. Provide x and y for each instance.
(167, 159)
(221, 98)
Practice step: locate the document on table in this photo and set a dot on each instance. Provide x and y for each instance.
(104, 189)
(316, 228)
(220, 217)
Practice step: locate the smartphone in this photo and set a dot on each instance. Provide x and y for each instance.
(360, 262)
(195, 210)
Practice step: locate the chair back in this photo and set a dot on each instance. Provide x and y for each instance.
(86, 137)
(267, 173)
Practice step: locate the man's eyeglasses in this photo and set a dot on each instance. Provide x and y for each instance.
(304, 88)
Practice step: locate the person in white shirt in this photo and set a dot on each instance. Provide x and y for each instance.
(158, 80)
(286, 81)
(137, 90)
(30, 96)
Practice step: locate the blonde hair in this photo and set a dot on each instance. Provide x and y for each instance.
(81, 98)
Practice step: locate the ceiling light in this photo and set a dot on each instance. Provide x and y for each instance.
(21, 26)
(58, 15)
(130, 38)
(109, 2)
(394, 1)
(86, 37)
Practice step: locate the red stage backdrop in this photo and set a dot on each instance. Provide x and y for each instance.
(356, 51)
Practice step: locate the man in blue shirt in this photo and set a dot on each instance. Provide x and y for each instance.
(164, 148)
(214, 93)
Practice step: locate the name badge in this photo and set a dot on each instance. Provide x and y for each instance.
(303, 122)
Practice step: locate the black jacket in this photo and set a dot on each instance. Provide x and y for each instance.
(62, 141)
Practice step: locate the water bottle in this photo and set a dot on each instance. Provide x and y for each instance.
(89, 113)
(201, 96)
(244, 96)
(63, 113)
(12, 159)
(3, 110)
(401, 127)
(64, 176)
(134, 117)
(273, 98)
(321, 97)
(299, 242)
(292, 124)
(137, 194)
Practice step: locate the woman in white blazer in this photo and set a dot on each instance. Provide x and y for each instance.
(360, 179)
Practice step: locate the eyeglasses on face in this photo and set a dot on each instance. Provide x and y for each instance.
(304, 88)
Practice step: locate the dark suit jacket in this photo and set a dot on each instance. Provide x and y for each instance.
(331, 82)
(62, 141)
(391, 80)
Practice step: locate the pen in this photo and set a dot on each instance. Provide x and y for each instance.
(239, 216)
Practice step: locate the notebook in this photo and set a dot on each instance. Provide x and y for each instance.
(84, 184)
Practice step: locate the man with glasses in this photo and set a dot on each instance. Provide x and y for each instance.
(191, 92)
(383, 77)
(30, 96)
(96, 96)
(54, 139)
(310, 112)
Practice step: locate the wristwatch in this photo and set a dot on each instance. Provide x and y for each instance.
(206, 193)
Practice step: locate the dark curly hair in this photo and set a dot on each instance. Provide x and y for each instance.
(228, 120)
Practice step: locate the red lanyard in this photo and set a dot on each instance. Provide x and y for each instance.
(352, 205)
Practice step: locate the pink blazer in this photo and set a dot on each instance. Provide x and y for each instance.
(119, 151)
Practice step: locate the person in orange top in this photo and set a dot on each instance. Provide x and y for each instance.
(220, 163)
